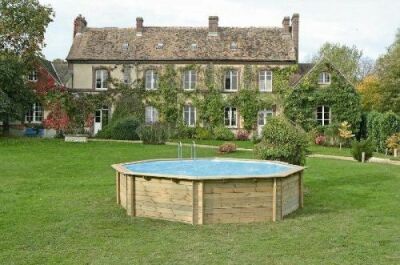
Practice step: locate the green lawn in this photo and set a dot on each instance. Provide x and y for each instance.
(314, 149)
(58, 207)
(241, 144)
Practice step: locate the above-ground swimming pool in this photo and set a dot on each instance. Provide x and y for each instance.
(206, 191)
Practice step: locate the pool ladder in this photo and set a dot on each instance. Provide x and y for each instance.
(193, 152)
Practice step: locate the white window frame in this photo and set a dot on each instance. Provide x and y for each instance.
(266, 114)
(265, 81)
(189, 80)
(189, 110)
(323, 111)
(127, 74)
(151, 115)
(101, 75)
(232, 120)
(33, 76)
(324, 78)
(153, 85)
(35, 114)
(232, 74)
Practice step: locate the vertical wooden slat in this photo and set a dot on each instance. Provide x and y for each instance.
(274, 201)
(195, 210)
(281, 197)
(197, 204)
(201, 202)
(301, 196)
(130, 195)
(118, 187)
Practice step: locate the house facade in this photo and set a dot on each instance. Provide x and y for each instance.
(145, 52)
(41, 79)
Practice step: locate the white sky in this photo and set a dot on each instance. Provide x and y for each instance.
(368, 24)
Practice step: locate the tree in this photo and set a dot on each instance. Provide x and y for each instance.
(346, 59)
(388, 70)
(371, 97)
(345, 132)
(15, 95)
(366, 67)
(22, 27)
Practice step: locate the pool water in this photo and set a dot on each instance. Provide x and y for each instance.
(208, 168)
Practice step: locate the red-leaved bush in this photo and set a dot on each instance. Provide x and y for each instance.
(57, 119)
(242, 135)
(320, 140)
(227, 148)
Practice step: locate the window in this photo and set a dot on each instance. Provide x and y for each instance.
(101, 79)
(151, 115)
(264, 116)
(234, 46)
(151, 80)
(127, 74)
(160, 45)
(231, 80)
(193, 46)
(125, 47)
(265, 81)
(323, 115)
(324, 78)
(189, 80)
(35, 114)
(33, 76)
(189, 115)
(230, 118)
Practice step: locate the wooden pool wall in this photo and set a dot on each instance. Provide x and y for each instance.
(210, 201)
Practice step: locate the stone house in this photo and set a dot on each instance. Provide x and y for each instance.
(43, 77)
(143, 52)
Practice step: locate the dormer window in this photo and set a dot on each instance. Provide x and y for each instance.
(324, 78)
(234, 46)
(33, 76)
(193, 46)
(160, 45)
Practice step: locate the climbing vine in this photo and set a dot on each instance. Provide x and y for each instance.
(300, 103)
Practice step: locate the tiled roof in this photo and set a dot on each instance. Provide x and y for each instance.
(50, 69)
(302, 69)
(183, 43)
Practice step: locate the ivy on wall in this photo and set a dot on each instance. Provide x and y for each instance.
(208, 97)
(300, 104)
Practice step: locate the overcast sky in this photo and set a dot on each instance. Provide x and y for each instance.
(368, 24)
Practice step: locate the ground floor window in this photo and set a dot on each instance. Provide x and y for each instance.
(263, 117)
(189, 115)
(151, 115)
(35, 114)
(323, 115)
(230, 117)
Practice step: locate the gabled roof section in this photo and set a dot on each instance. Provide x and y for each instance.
(183, 43)
(51, 70)
(305, 69)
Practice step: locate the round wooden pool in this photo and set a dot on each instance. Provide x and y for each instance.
(209, 191)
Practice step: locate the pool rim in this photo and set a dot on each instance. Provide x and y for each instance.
(292, 169)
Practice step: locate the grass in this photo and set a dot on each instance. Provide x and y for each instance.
(241, 144)
(314, 149)
(58, 207)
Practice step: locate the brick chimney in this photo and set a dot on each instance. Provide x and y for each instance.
(285, 24)
(295, 33)
(213, 26)
(139, 26)
(80, 25)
